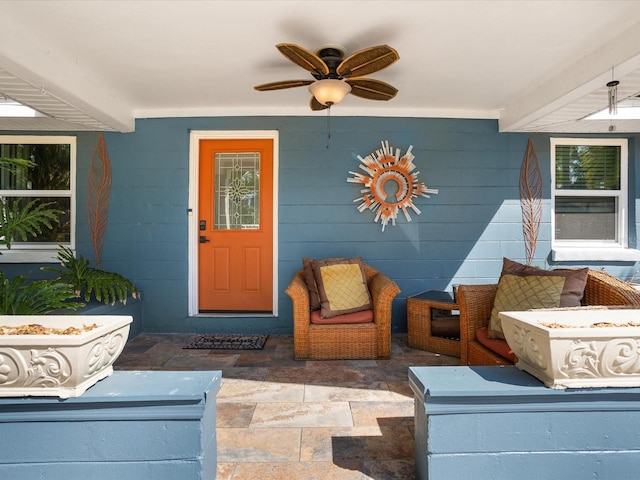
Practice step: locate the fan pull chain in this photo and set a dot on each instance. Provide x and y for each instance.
(328, 126)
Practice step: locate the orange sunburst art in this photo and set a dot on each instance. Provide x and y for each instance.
(390, 184)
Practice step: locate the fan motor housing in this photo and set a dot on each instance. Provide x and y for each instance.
(332, 55)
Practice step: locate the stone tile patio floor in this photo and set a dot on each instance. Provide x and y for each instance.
(282, 419)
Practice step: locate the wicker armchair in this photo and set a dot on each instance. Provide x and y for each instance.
(476, 303)
(343, 341)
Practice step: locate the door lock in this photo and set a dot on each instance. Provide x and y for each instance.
(203, 224)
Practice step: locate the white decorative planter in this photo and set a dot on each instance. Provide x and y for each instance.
(59, 365)
(578, 356)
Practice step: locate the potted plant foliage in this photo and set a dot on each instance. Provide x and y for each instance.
(75, 280)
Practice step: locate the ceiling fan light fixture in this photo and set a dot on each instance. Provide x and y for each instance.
(329, 91)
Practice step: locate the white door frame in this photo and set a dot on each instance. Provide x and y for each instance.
(194, 159)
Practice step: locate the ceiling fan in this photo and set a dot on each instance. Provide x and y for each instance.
(336, 76)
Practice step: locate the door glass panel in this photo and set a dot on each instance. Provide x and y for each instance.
(236, 203)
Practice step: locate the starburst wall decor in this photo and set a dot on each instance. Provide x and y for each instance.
(384, 166)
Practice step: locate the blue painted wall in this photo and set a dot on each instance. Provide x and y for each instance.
(460, 237)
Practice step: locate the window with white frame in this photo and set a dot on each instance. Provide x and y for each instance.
(589, 193)
(51, 180)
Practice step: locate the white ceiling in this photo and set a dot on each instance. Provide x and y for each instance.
(534, 65)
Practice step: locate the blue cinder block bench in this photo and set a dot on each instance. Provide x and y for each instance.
(132, 425)
(499, 423)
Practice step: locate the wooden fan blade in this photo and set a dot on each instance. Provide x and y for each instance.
(316, 105)
(371, 89)
(283, 84)
(367, 61)
(304, 58)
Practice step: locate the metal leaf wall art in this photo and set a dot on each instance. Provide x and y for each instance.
(530, 200)
(99, 191)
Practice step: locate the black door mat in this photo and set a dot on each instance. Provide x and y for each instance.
(220, 341)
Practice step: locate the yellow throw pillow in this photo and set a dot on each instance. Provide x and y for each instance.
(518, 293)
(342, 286)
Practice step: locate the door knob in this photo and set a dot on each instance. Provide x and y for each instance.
(204, 239)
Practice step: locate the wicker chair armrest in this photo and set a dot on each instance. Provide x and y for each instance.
(475, 303)
(605, 289)
(299, 294)
(383, 290)
(297, 289)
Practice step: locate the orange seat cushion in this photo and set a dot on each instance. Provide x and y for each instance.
(364, 316)
(496, 345)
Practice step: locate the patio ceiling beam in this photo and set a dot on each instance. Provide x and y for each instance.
(583, 77)
(64, 79)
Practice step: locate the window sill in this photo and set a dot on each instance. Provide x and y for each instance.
(29, 256)
(595, 254)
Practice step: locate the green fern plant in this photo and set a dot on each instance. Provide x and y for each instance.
(23, 220)
(89, 282)
(17, 297)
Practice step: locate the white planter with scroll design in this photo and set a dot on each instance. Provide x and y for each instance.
(59, 365)
(573, 353)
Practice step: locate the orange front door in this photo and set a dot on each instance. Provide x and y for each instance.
(235, 254)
